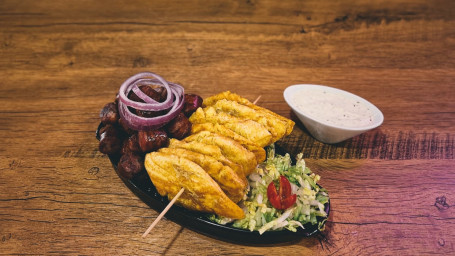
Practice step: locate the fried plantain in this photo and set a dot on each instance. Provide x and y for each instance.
(208, 150)
(275, 126)
(249, 129)
(232, 184)
(257, 150)
(169, 173)
(235, 97)
(230, 148)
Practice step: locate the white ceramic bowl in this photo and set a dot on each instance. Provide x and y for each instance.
(330, 126)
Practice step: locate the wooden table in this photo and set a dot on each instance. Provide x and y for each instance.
(392, 188)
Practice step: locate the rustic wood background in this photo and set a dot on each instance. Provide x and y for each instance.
(392, 189)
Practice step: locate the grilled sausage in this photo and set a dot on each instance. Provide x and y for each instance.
(125, 128)
(131, 145)
(179, 127)
(109, 113)
(191, 103)
(130, 164)
(162, 92)
(110, 140)
(149, 91)
(156, 94)
(152, 140)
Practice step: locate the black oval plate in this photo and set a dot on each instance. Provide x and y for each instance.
(142, 186)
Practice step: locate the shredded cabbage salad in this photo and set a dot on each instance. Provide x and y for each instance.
(262, 216)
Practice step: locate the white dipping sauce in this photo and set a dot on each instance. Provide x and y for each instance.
(332, 108)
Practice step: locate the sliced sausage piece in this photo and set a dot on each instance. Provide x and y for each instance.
(179, 127)
(110, 140)
(152, 140)
(191, 103)
(131, 145)
(109, 113)
(130, 164)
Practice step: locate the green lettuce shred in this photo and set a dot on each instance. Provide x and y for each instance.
(260, 215)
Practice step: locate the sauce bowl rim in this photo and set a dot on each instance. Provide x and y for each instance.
(377, 114)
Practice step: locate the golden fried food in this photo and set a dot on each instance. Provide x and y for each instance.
(258, 151)
(225, 95)
(249, 129)
(230, 148)
(169, 173)
(253, 131)
(235, 97)
(227, 142)
(275, 126)
(208, 150)
(232, 184)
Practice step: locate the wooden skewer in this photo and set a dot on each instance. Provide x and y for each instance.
(173, 200)
(257, 99)
(163, 212)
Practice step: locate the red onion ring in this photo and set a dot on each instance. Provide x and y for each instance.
(173, 102)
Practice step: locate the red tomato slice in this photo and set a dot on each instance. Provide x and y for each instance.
(273, 196)
(283, 198)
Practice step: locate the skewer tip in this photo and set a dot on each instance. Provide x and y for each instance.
(163, 212)
(257, 99)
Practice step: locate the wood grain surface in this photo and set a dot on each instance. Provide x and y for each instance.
(392, 189)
